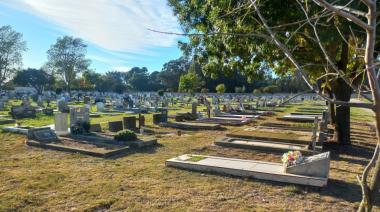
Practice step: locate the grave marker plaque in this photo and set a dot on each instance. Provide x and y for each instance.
(44, 135)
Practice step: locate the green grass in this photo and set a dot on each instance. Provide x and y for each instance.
(196, 158)
(34, 179)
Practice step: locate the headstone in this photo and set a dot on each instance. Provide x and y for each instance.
(164, 115)
(314, 166)
(141, 121)
(44, 135)
(48, 111)
(79, 115)
(2, 105)
(194, 109)
(62, 106)
(100, 106)
(157, 118)
(129, 122)
(115, 126)
(87, 100)
(22, 111)
(61, 123)
(40, 102)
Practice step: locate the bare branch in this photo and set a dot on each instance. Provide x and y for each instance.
(353, 11)
(343, 14)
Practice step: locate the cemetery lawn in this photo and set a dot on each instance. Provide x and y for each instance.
(34, 179)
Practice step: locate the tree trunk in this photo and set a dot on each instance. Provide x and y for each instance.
(331, 109)
(374, 186)
(342, 92)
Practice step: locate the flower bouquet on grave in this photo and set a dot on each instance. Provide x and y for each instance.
(292, 158)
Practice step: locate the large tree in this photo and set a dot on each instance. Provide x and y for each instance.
(67, 58)
(36, 78)
(172, 71)
(137, 79)
(233, 40)
(11, 48)
(332, 43)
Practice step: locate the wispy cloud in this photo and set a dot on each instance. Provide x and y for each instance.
(121, 68)
(116, 25)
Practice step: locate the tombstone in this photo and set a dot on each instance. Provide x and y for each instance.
(22, 111)
(48, 111)
(87, 100)
(141, 121)
(115, 126)
(43, 134)
(208, 111)
(194, 109)
(129, 122)
(61, 123)
(95, 128)
(62, 106)
(100, 106)
(164, 115)
(313, 166)
(157, 118)
(2, 105)
(79, 115)
(40, 102)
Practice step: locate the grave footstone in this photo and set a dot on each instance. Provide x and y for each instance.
(95, 128)
(129, 122)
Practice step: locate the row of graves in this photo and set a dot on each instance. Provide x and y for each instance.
(72, 132)
(304, 160)
(217, 113)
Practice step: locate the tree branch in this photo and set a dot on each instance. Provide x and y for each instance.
(340, 12)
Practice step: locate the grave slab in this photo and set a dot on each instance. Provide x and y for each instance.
(191, 126)
(262, 145)
(243, 168)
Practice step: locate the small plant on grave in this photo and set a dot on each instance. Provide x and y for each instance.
(292, 158)
(125, 135)
(195, 158)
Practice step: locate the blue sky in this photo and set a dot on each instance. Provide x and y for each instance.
(114, 30)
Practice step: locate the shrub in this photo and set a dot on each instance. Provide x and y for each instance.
(204, 90)
(271, 89)
(125, 135)
(160, 92)
(256, 91)
(221, 88)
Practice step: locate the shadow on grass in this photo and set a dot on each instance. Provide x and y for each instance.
(361, 153)
(144, 150)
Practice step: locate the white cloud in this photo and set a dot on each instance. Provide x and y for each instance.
(117, 25)
(121, 68)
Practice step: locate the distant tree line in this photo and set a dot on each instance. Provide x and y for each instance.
(67, 68)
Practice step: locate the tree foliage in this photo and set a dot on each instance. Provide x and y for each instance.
(36, 78)
(67, 58)
(12, 46)
(221, 88)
